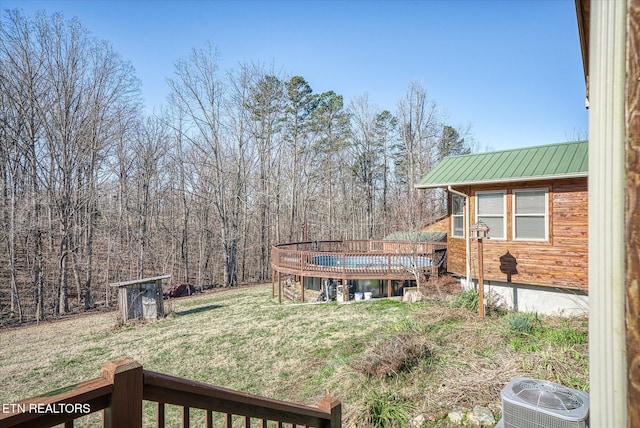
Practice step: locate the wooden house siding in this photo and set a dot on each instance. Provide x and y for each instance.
(441, 225)
(561, 261)
(456, 248)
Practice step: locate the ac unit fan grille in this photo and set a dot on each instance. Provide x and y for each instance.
(547, 395)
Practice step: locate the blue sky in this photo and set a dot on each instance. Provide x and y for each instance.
(511, 69)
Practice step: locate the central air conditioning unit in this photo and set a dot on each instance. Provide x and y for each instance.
(534, 403)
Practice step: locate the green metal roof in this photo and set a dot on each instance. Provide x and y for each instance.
(415, 236)
(564, 160)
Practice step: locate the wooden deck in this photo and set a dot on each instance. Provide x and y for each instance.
(124, 385)
(356, 259)
(353, 260)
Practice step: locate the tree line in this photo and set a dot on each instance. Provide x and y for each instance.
(95, 191)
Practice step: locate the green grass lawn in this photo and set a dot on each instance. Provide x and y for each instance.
(382, 358)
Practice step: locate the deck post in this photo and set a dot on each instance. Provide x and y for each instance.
(279, 287)
(480, 278)
(329, 405)
(302, 288)
(125, 407)
(388, 288)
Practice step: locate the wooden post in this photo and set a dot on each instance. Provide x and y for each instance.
(273, 284)
(279, 287)
(302, 288)
(160, 418)
(329, 405)
(186, 421)
(125, 408)
(388, 288)
(480, 279)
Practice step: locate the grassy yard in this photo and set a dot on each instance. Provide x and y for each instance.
(383, 358)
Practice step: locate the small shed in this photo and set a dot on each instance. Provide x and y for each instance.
(141, 298)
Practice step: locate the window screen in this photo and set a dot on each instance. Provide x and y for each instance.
(457, 216)
(530, 214)
(490, 210)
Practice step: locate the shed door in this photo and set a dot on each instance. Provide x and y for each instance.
(149, 308)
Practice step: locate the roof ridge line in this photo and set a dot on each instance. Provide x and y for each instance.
(518, 149)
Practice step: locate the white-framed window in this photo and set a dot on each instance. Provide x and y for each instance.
(457, 216)
(491, 209)
(531, 215)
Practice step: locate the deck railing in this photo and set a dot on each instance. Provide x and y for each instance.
(124, 385)
(371, 257)
(362, 246)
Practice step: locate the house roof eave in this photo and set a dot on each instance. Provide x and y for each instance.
(503, 180)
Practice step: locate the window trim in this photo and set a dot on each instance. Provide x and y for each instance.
(453, 216)
(546, 214)
(504, 211)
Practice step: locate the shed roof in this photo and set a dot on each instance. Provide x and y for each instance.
(139, 281)
(564, 160)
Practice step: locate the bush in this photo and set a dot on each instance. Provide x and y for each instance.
(523, 323)
(468, 299)
(385, 410)
(523, 331)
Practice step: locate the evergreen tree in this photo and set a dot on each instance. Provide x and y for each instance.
(450, 143)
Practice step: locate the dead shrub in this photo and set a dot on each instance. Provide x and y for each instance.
(440, 288)
(392, 355)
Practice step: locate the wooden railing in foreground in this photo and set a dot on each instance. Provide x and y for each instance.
(124, 385)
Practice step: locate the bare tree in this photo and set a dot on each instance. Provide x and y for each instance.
(197, 92)
(90, 86)
(64, 61)
(238, 137)
(22, 87)
(181, 185)
(420, 127)
(365, 148)
(151, 146)
(63, 88)
(11, 170)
